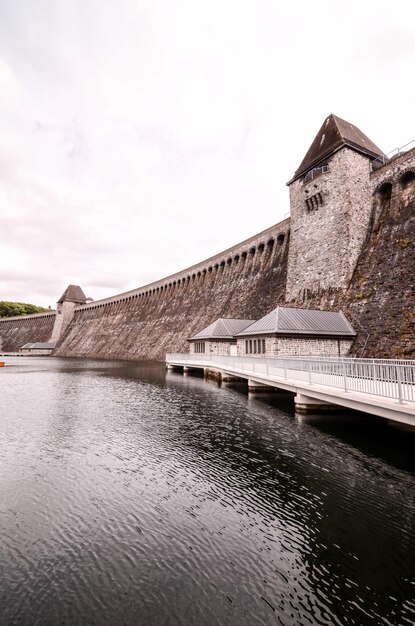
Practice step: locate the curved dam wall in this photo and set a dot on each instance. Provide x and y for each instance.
(16, 331)
(381, 295)
(245, 281)
(360, 260)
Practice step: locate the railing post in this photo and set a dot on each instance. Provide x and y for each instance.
(285, 369)
(266, 366)
(344, 376)
(399, 380)
(309, 371)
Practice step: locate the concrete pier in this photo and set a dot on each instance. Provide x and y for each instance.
(305, 404)
(174, 368)
(256, 387)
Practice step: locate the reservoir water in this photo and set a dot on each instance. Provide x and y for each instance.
(131, 496)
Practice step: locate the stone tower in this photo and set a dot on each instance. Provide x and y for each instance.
(71, 297)
(330, 199)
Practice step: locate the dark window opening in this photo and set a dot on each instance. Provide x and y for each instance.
(407, 180)
(314, 202)
(385, 194)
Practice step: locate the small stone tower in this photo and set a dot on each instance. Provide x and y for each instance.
(330, 200)
(65, 307)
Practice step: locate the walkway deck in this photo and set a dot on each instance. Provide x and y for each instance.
(382, 387)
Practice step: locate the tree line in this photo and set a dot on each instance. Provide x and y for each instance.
(11, 309)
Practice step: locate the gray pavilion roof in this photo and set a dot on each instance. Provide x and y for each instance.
(73, 293)
(222, 329)
(291, 321)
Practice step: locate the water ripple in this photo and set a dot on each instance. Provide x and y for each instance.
(135, 498)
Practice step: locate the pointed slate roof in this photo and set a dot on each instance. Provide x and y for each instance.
(73, 293)
(222, 329)
(333, 135)
(290, 321)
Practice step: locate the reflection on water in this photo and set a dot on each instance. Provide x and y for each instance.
(131, 496)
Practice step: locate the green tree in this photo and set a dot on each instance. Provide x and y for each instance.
(10, 309)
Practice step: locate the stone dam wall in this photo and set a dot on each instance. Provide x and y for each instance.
(249, 279)
(245, 281)
(16, 331)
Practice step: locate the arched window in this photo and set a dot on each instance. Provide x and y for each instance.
(407, 180)
(252, 251)
(261, 248)
(385, 194)
(270, 246)
(280, 239)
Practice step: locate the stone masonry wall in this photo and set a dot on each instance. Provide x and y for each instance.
(312, 347)
(245, 281)
(326, 240)
(221, 348)
(16, 331)
(380, 298)
(296, 346)
(64, 316)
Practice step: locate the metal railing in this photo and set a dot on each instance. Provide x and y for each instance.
(392, 379)
(385, 158)
(316, 171)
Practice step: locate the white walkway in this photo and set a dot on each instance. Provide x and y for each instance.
(381, 387)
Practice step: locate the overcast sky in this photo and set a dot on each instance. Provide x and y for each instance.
(138, 137)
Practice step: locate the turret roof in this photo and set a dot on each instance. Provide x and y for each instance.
(222, 329)
(291, 321)
(73, 293)
(333, 135)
